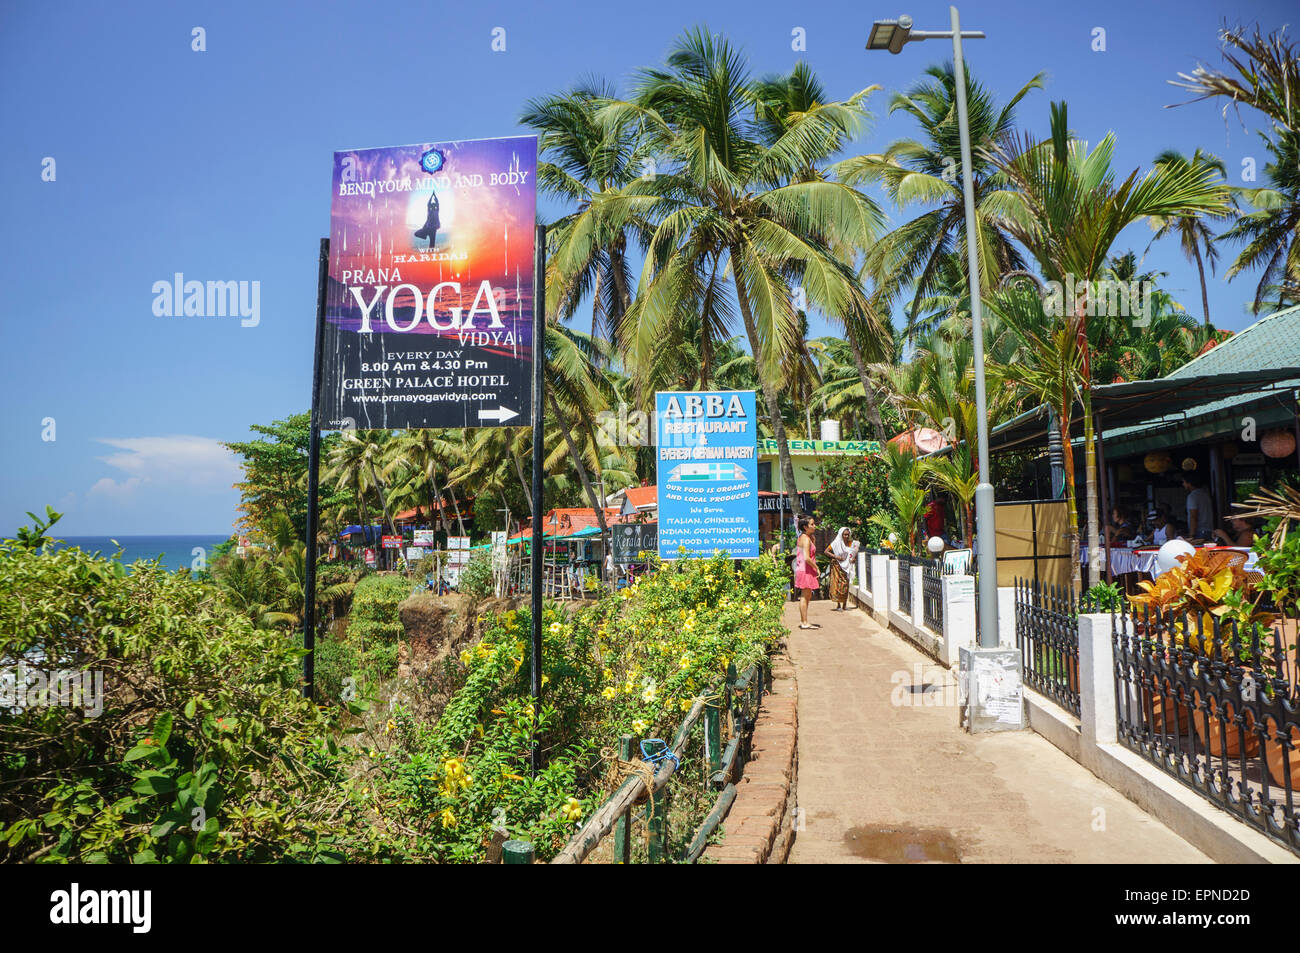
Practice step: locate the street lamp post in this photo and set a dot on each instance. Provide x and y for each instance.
(892, 35)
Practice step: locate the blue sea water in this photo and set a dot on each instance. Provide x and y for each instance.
(176, 552)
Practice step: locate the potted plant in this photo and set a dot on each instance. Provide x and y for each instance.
(1278, 553)
(1207, 591)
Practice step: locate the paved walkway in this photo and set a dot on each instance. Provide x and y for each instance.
(884, 781)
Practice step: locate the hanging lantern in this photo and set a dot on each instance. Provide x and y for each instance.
(1277, 444)
(1157, 462)
(1188, 464)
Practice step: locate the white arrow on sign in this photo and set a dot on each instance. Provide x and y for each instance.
(499, 415)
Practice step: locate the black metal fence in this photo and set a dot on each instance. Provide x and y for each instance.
(905, 584)
(932, 594)
(1217, 708)
(1047, 634)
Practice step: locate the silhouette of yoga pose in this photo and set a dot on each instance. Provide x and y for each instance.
(431, 222)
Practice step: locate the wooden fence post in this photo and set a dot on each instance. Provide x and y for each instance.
(657, 815)
(623, 828)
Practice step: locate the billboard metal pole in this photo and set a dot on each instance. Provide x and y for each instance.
(313, 479)
(539, 441)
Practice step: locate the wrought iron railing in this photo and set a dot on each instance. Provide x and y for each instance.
(905, 584)
(932, 594)
(1217, 708)
(1047, 634)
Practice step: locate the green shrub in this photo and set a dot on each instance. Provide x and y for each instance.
(476, 575)
(853, 489)
(631, 664)
(204, 748)
(374, 609)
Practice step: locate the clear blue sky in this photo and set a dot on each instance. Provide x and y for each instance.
(217, 164)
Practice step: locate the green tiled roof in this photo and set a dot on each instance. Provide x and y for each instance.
(1272, 341)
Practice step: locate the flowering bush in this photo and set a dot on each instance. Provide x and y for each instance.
(853, 488)
(631, 664)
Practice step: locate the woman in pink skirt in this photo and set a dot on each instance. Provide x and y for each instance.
(805, 569)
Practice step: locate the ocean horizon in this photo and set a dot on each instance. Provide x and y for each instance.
(173, 551)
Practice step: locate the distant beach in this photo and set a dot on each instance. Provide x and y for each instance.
(176, 552)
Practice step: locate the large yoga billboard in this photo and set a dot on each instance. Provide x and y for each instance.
(429, 301)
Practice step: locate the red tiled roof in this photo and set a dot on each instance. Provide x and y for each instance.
(640, 496)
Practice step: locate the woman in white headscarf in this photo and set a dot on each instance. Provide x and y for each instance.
(844, 554)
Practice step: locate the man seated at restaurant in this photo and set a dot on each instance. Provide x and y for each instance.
(1200, 507)
(1120, 529)
(1241, 532)
(1157, 529)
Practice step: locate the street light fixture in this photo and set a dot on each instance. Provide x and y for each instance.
(892, 35)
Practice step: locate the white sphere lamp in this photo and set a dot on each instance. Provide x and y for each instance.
(1167, 556)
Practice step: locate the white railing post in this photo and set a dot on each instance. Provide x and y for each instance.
(1007, 616)
(916, 611)
(1096, 686)
(863, 581)
(880, 588)
(891, 580)
(958, 616)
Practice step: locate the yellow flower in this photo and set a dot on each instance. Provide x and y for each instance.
(639, 726)
(572, 809)
(391, 727)
(686, 704)
(684, 661)
(454, 767)
(609, 692)
(555, 628)
(608, 673)
(448, 818)
(649, 694)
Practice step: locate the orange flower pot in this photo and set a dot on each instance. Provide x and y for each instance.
(1169, 716)
(1207, 729)
(1276, 764)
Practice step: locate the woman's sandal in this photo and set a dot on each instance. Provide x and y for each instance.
(805, 625)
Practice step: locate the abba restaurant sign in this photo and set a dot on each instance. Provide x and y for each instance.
(429, 300)
(708, 494)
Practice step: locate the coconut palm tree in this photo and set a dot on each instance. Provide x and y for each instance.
(1194, 236)
(1265, 75)
(1271, 232)
(927, 172)
(1067, 210)
(355, 465)
(726, 197)
(783, 102)
(586, 153)
(415, 458)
